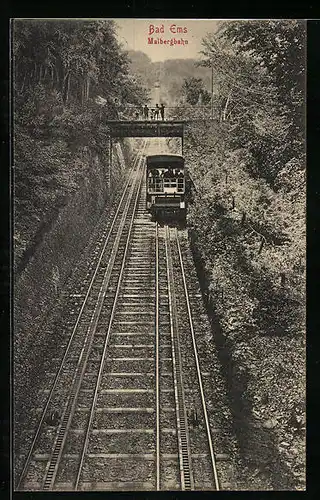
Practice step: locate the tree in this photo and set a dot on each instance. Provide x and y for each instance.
(193, 90)
(259, 68)
(60, 68)
(277, 49)
(79, 59)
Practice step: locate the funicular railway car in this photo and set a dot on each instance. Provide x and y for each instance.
(166, 185)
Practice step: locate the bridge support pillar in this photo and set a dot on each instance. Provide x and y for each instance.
(109, 166)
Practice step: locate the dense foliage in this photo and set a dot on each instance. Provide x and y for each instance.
(249, 166)
(69, 76)
(195, 92)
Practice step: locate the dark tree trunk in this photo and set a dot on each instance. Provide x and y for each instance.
(88, 88)
(261, 245)
(23, 81)
(68, 86)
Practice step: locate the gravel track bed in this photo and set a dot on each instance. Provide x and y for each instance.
(105, 315)
(88, 381)
(79, 420)
(74, 444)
(198, 439)
(142, 327)
(85, 399)
(167, 381)
(36, 471)
(169, 473)
(163, 282)
(123, 421)
(113, 469)
(59, 396)
(127, 443)
(168, 419)
(131, 366)
(135, 338)
(115, 485)
(167, 398)
(134, 342)
(128, 382)
(41, 398)
(165, 350)
(142, 302)
(164, 325)
(145, 275)
(134, 307)
(95, 354)
(165, 365)
(131, 352)
(68, 468)
(100, 335)
(46, 441)
(165, 334)
(202, 471)
(99, 469)
(93, 365)
(163, 300)
(168, 443)
(131, 400)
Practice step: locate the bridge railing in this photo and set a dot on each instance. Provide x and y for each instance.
(170, 113)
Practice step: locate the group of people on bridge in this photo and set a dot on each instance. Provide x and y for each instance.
(154, 113)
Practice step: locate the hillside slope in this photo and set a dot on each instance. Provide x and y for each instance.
(170, 74)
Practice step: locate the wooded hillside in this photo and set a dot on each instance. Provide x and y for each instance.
(69, 76)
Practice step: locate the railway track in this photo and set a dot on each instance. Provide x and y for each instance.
(192, 450)
(130, 383)
(65, 387)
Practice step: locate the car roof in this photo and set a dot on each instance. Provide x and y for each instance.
(151, 159)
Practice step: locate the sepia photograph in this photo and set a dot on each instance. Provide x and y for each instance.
(159, 254)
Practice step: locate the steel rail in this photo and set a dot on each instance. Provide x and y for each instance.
(102, 362)
(72, 336)
(195, 350)
(157, 368)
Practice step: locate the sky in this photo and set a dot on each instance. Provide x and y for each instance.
(134, 34)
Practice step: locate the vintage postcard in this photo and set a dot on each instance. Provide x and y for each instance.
(159, 181)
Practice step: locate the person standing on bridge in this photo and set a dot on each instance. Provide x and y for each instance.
(145, 112)
(162, 111)
(156, 112)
